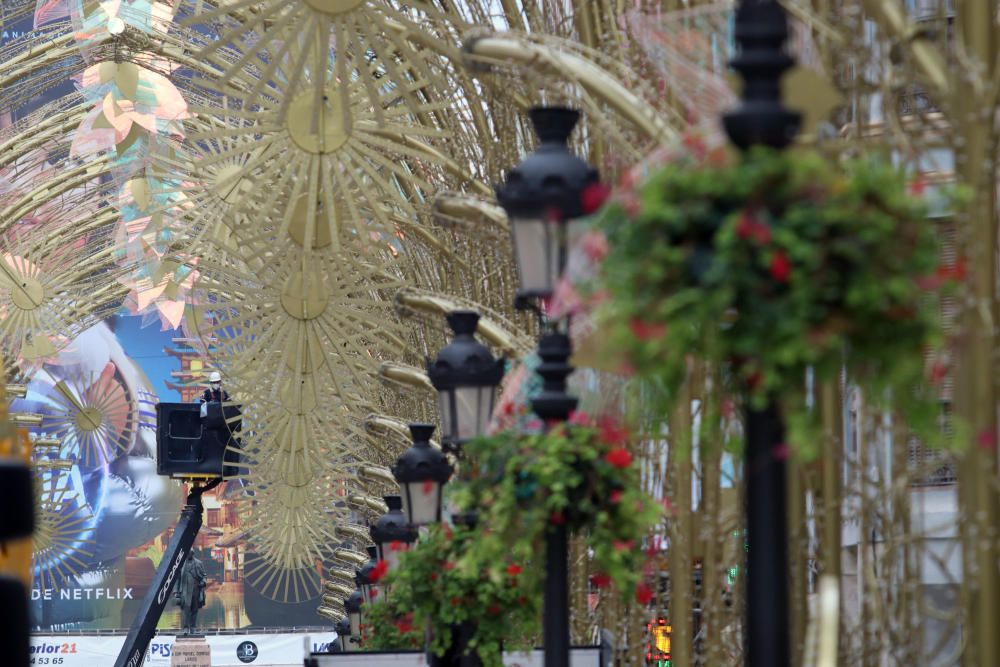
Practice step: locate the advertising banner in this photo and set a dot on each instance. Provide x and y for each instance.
(583, 656)
(267, 650)
(108, 515)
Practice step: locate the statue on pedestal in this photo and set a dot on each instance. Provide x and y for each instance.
(191, 592)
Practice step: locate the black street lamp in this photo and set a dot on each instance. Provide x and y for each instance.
(352, 605)
(343, 630)
(392, 533)
(466, 376)
(761, 119)
(541, 196)
(363, 576)
(422, 471)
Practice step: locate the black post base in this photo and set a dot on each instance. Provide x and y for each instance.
(458, 655)
(556, 605)
(768, 622)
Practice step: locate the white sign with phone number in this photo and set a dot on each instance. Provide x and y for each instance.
(277, 650)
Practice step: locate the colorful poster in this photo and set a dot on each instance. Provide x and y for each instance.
(106, 516)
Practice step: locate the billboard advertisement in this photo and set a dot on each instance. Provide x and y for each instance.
(106, 519)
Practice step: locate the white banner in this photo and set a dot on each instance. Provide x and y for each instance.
(584, 656)
(266, 650)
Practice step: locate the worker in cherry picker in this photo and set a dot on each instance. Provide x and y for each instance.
(215, 392)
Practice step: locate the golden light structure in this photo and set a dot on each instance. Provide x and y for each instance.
(312, 54)
(52, 285)
(62, 523)
(91, 417)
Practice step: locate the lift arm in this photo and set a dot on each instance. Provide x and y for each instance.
(144, 626)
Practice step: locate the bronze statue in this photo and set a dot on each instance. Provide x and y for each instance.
(191, 592)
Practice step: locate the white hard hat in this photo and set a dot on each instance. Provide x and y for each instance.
(216, 376)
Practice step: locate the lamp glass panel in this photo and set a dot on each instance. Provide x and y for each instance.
(355, 618)
(422, 502)
(446, 399)
(539, 251)
(474, 406)
(392, 552)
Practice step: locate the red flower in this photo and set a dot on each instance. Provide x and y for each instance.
(987, 440)
(522, 600)
(405, 625)
(781, 267)
(514, 570)
(938, 372)
(624, 545)
(600, 580)
(612, 432)
(615, 497)
(579, 418)
(455, 601)
(744, 228)
(448, 566)
(493, 609)
(953, 272)
(378, 571)
(643, 593)
(619, 458)
(917, 186)
(646, 330)
(593, 197)
(749, 227)
(557, 519)
(434, 576)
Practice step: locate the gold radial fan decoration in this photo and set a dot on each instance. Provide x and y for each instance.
(91, 417)
(296, 440)
(49, 294)
(331, 169)
(290, 315)
(290, 534)
(310, 49)
(62, 528)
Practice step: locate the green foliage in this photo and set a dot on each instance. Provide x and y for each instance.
(776, 264)
(449, 578)
(390, 626)
(491, 575)
(579, 475)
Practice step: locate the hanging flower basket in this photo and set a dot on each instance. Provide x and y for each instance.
(449, 582)
(773, 265)
(579, 475)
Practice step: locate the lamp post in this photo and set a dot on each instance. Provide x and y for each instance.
(542, 196)
(466, 376)
(422, 471)
(761, 119)
(363, 577)
(352, 605)
(392, 533)
(343, 630)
